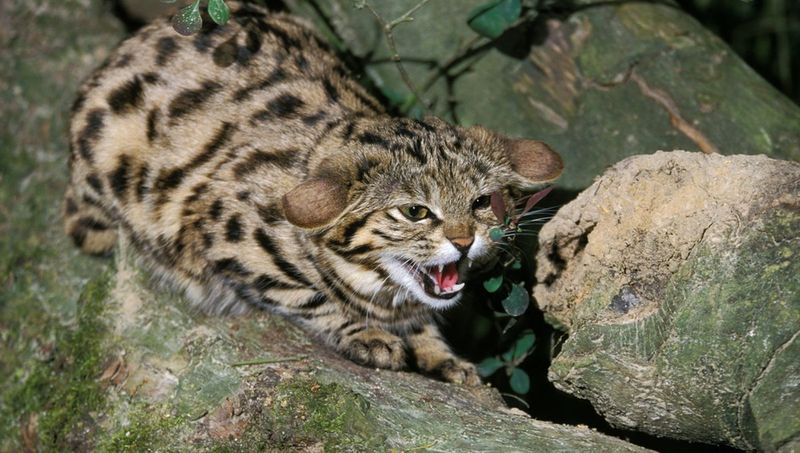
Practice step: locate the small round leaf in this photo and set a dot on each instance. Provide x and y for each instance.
(493, 284)
(219, 11)
(493, 18)
(488, 366)
(188, 21)
(496, 234)
(517, 300)
(520, 382)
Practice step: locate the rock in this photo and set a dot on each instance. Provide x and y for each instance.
(677, 277)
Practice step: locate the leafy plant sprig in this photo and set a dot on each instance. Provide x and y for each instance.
(516, 299)
(188, 20)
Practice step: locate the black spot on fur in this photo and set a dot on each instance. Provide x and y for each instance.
(120, 177)
(330, 91)
(82, 228)
(225, 54)
(270, 213)
(283, 36)
(233, 229)
(285, 158)
(127, 96)
(231, 266)
(79, 101)
(276, 76)
(283, 106)
(219, 140)
(141, 184)
(165, 49)
(169, 179)
(189, 100)
(348, 131)
(286, 267)
(244, 195)
(70, 206)
(301, 62)
(365, 166)
(404, 132)
(90, 133)
(151, 78)
(368, 138)
(123, 61)
(152, 120)
(95, 183)
(317, 300)
(415, 149)
(264, 282)
(312, 120)
(216, 209)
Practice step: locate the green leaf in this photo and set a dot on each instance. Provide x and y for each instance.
(517, 301)
(493, 284)
(488, 366)
(496, 234)
(219, 11)
(523, 345)
(520, 382)
(188, 21)
(493, 18)
(517, 264)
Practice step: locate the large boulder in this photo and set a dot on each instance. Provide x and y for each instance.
(677, 277)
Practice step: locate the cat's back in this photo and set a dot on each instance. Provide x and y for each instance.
(266, 75)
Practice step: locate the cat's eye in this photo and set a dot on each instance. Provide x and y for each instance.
(415, 212)
(481, 202)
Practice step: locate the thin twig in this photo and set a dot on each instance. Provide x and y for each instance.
(407, 16)
(395, 56)
(268, 361)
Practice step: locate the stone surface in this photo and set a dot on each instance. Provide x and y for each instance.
(676, 276)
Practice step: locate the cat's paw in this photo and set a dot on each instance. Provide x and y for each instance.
(374, 347)
(458, 371)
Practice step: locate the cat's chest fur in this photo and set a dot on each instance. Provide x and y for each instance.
(251, 170)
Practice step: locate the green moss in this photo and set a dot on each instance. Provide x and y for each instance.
(148, 428)
(304, 412)
(63, 392)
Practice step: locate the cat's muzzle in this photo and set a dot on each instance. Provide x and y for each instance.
(442, 281)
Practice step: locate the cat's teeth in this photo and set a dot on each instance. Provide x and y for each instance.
(469, 263)
(436, 289)
(441, 266)
(457, 287)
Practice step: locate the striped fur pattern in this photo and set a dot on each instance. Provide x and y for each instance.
(250, 170)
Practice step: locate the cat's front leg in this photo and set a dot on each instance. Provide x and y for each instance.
(374, 347)
(434, 357)
(366, 345)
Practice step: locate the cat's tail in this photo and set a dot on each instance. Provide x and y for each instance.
(92, 230)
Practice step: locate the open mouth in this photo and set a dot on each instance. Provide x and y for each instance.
(441, 281)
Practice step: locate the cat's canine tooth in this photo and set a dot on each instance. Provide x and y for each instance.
(436, 289)
(441, 266)
(469, 263)
(457, 287)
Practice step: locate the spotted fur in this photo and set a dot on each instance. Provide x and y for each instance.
(252, 171)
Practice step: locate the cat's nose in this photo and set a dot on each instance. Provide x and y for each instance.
(462, 244)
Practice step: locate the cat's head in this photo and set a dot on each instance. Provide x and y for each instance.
(411, 199)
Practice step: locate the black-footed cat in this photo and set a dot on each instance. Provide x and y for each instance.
(252, 171)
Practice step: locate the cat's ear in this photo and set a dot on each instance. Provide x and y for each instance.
(315, 202)
(533, 160)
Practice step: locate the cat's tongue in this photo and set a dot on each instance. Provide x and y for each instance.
(447, 277)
